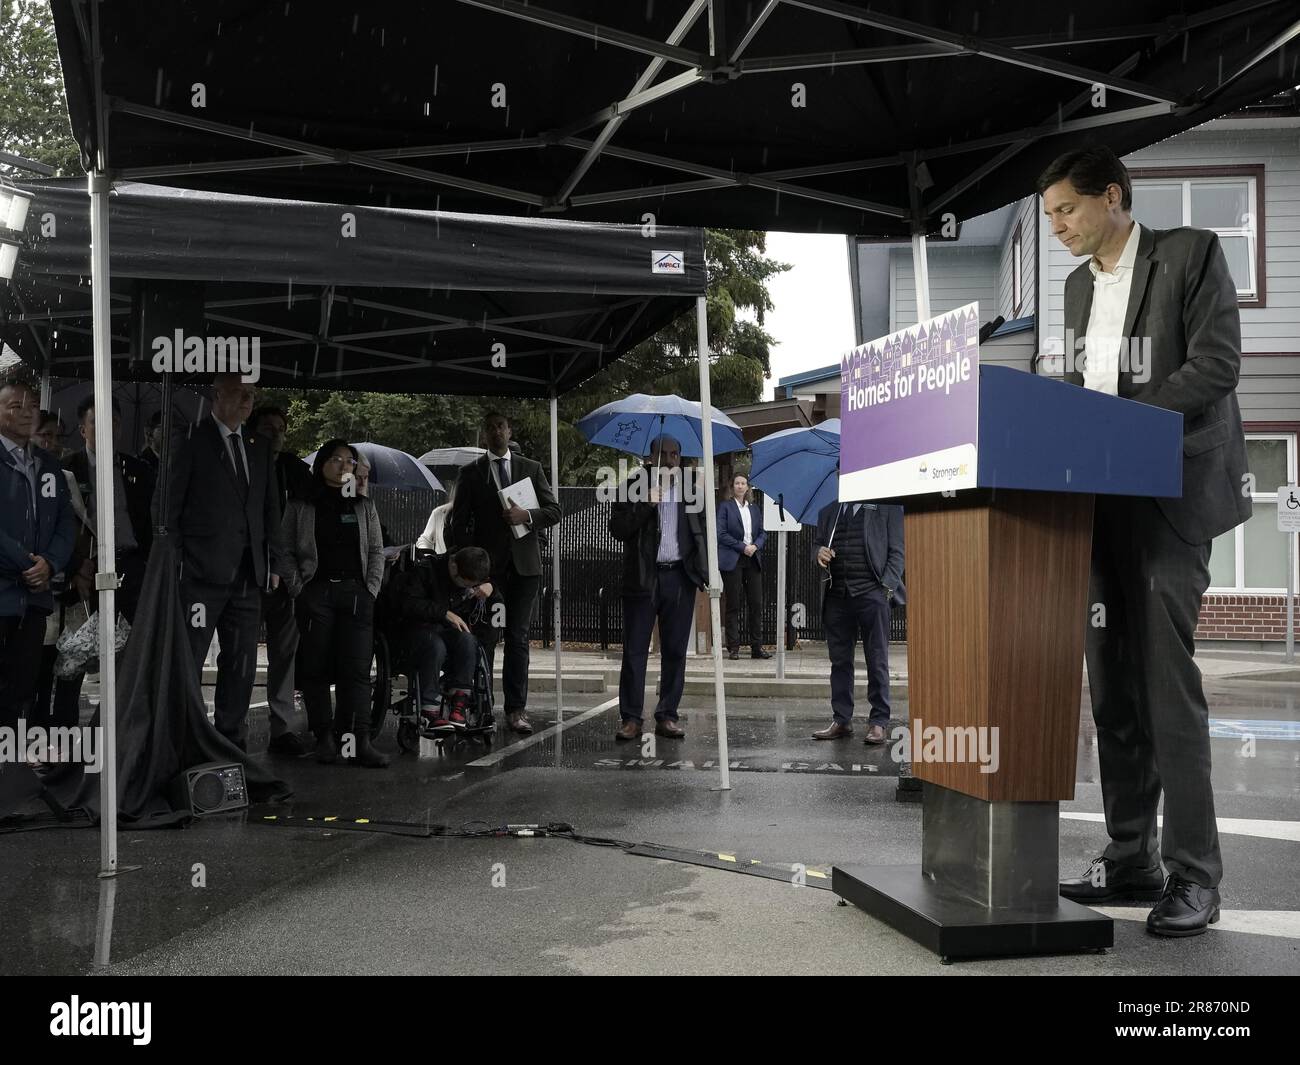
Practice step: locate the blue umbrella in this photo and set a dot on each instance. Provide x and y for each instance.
(390, 468)
(631, 424)
(800, 468)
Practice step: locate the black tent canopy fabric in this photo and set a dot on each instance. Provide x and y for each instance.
(356, 298)
(803, 115)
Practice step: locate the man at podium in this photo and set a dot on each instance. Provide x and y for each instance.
(1152, 316)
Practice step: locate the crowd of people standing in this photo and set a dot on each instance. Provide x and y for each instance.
(265, 543)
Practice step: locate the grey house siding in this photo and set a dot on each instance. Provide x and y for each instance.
(957, 276)
(1270, 385)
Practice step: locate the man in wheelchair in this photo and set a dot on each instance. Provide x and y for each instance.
(436, 612)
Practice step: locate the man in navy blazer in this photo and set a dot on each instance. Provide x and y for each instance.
(860, 548)
(740, 559)
(37, 529)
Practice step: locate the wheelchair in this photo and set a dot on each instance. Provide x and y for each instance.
(396, 692)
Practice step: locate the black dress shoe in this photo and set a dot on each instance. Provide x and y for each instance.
(733, 655)
(287, 744)
(1106, 881)
(760, 653)
(1185, 909)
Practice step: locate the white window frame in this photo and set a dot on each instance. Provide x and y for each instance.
(1249, 231)
(1270, 496)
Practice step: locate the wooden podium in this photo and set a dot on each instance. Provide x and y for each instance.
(997, 580)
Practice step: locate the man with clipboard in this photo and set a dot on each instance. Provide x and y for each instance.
(487, 514)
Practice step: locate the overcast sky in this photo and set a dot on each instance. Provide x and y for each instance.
(813, 318)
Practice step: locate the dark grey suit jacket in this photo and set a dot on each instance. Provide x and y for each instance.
(476, 518)
(1183, 298)
(205, 497)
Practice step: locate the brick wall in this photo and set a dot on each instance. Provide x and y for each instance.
(1243, 617)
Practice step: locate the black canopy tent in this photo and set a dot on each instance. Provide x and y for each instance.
(802, 115)
(339, 297)
(352, 297)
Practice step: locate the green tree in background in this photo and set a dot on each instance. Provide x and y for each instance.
(666, 364)
(33, 112)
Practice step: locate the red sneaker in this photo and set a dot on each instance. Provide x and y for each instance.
(459, 702)
(433, 717)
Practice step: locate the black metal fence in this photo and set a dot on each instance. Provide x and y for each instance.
(591, 564)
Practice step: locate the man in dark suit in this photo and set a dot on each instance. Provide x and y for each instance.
(292, 479)
(478, 519)
(860, 546)
(740, 544)
(665, 561)
(36, 536)
(132, 511)
(152, 450)
(1172, 292)
(224, 519)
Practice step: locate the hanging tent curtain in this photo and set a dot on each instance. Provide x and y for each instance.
(355, 298)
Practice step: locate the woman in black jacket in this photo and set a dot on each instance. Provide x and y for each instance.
(333, 568)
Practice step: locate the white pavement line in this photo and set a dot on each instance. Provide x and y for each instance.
(537, 737)
(1282, 923)
(1234, 826)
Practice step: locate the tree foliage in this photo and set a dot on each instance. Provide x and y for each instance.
(33, 111)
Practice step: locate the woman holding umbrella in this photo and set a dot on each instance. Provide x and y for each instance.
(740, 543)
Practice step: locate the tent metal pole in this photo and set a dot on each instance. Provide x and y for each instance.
(711, 537)
(921, 272)
(106, 571)
(45, 381)
(555, 574)
(781, 538)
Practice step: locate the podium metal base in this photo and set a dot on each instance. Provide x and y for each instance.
(954, 926)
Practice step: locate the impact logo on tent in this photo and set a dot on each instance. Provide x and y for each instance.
(667, 262)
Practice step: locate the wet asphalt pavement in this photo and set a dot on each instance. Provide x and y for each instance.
(245, 894)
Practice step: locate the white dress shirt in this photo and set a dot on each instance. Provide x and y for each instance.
(1105, 340)
(669, 550)
(501, 465)
(226, 432)
(746, 521)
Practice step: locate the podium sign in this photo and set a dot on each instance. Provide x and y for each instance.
(909, 409)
